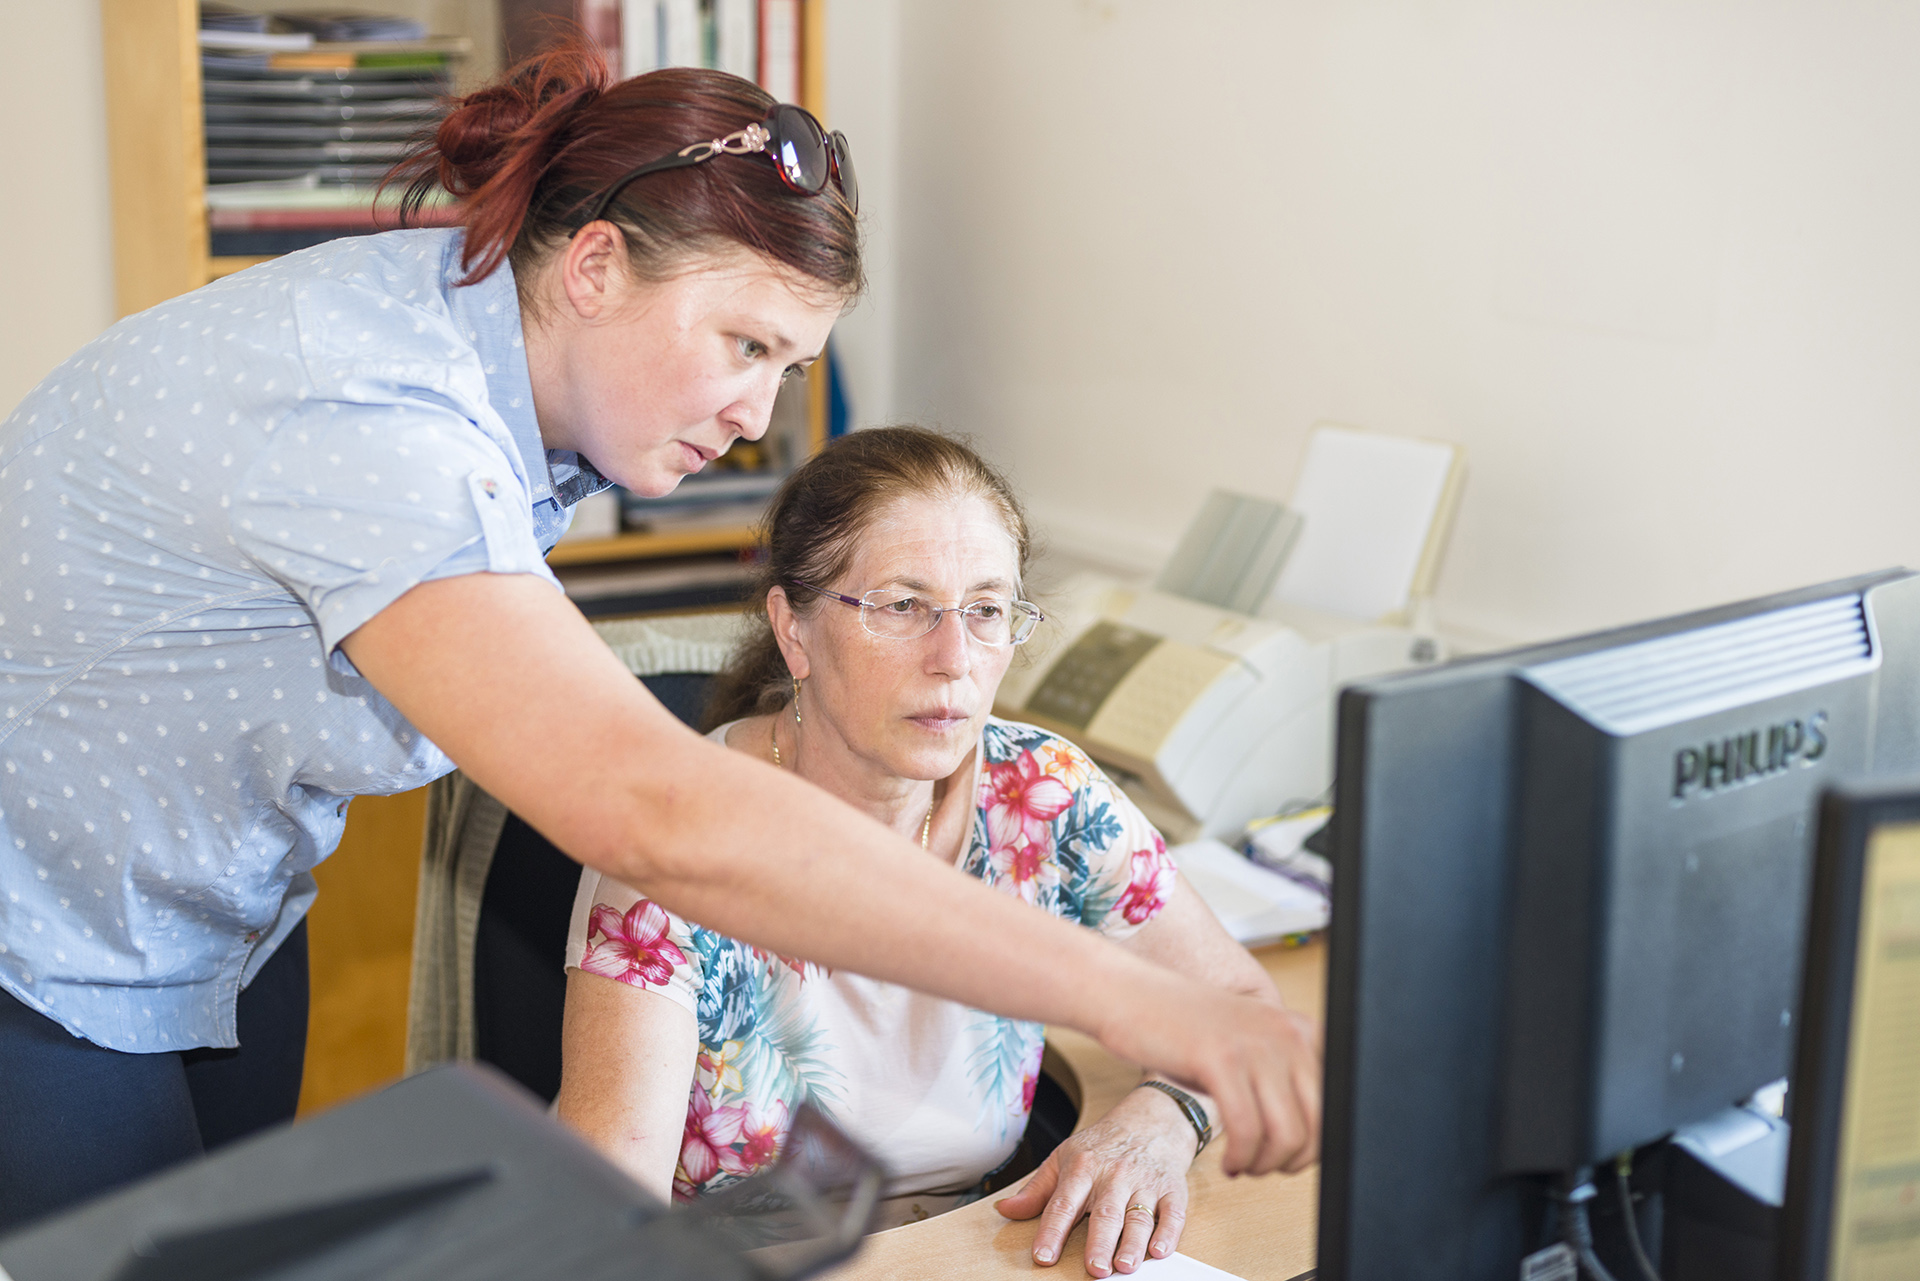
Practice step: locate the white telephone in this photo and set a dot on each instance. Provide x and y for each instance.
(1210, 716)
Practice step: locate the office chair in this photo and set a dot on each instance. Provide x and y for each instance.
(495, 898)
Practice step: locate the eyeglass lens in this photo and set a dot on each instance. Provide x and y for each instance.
(902, 616)
(843, 165)
(800, 149)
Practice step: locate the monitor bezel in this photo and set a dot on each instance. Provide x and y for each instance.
(1850, 816)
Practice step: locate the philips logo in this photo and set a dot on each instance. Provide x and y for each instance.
(1749, 757)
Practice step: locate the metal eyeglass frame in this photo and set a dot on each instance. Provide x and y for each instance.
(1033, 614)
(765, 137)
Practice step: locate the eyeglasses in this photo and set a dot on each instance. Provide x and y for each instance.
(803, 154)
(892, 614)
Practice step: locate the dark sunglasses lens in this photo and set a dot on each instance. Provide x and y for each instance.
(843, 166)
(799, 149)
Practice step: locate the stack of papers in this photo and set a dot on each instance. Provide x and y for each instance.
(1180, 1267)
(1256, 906)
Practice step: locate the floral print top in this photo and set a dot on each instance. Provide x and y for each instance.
(940, 1091)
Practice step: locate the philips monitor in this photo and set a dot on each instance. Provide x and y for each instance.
(1572, 888)
(1852, 1208)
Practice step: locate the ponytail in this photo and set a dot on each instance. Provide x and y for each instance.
(528, 154)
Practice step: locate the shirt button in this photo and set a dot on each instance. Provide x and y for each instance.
(253, 936)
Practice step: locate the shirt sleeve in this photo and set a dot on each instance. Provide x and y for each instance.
(620, 935)
(1104, 845)
(383, 471)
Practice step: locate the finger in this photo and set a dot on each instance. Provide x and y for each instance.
(1169, 1223)
(1135, 1230)
(1307, 1085)
(1300, 1101)
(1062, 1212)
(1240, 1115)
(1105, 1218)
(1025, 1201)
(1283, 1134)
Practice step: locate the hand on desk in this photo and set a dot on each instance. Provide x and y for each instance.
(1127, 1172)
(1258, 1060)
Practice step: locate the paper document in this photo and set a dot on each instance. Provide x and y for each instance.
(1176, 1266)
(1257, 906)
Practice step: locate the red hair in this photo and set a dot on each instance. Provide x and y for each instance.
(528, 154)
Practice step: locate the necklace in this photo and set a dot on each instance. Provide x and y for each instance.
(926, 824)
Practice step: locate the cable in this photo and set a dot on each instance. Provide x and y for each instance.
(1576, 1189)
(1622, 1168)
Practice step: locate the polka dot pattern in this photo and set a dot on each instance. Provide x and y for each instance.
(198, 507)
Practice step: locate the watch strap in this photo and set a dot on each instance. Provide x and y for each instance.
(1190, 1108)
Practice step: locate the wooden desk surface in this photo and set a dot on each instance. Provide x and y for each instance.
(1261, 1229)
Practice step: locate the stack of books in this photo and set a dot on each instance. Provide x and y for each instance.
(732, 493)
(717, 500)
(305, 114)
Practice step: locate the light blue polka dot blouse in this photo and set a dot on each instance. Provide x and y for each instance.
(196, 509)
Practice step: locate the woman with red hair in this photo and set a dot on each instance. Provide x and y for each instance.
(280, 542)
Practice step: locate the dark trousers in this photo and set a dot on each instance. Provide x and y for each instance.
(77, 1119)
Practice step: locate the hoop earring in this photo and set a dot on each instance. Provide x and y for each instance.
(796, 700)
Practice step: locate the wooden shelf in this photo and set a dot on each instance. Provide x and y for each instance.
(646, 546)
(227, 265)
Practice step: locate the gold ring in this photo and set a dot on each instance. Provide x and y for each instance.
(1138, 1206)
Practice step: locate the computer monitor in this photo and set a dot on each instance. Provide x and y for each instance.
(1852, 1208)
(1570, 891)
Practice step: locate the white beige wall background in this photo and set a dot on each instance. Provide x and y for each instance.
(1657, 265)
(56, 263)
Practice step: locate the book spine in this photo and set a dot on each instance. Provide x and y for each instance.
(249, 244)
(779, 52)
(383, 219)
(737, 37)
(639, 36)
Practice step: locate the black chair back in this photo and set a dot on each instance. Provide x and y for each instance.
(519, 987)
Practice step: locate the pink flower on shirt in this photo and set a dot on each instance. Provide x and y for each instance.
(1026, 870)
(1152, 879)
(633, 948)
(1023, 802)
(706, 1143)
(1031, 1081)
(760, 1139)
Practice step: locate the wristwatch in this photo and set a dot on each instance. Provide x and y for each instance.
(1190, 1108)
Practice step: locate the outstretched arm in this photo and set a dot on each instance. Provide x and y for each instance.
(1127, 1171)
(502, 673)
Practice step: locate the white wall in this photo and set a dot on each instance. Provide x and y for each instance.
(1657, 265)
(56, 235)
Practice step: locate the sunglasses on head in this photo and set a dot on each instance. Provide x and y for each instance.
(803, 154)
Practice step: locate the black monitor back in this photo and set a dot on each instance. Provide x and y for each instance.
(1522, 944)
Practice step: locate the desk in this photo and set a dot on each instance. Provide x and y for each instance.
(1261, 1229)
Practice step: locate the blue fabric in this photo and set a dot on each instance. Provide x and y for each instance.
(198, 507)
(81, 1120)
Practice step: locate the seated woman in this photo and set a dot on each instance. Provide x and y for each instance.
(892, 603)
